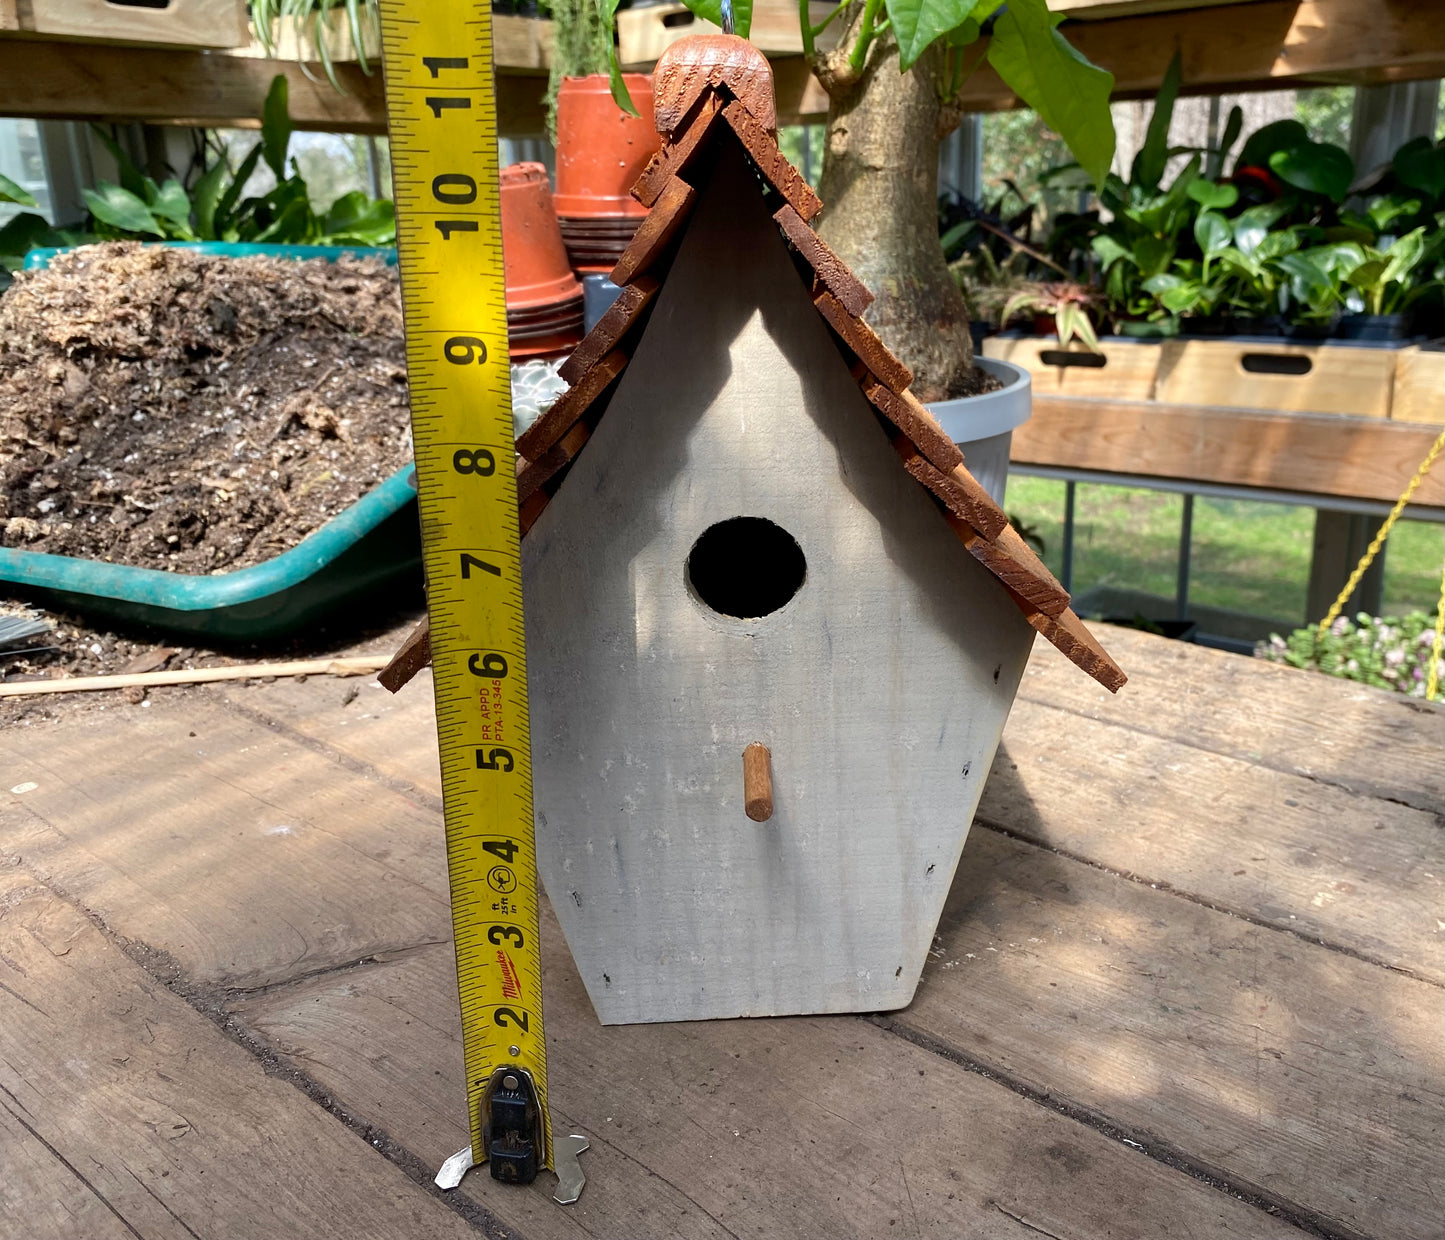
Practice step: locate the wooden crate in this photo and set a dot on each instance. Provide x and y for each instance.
(191, 23)
(1419, 384)
(1282, 377)
(644, 34)
(1121, 370)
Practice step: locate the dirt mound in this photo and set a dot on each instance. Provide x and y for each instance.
(170, 409)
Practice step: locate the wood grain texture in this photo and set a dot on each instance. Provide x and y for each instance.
(864, 343)
(124, 1112)
(1278, 718)
(191, 23)
(1352, 871)
(532, 476)
(762, 149)
(758, 782)
(1340, 379)
(878, 1136)
(960, 491)
(413, 655)
(206, 835)
(1317, 455)
(656, 231)
(737, 402)
(1309, 1077)
(1014, 563)
(549, 429)
(680, 149)
(610, 330)
(395, 736)
(1072, 638)
(1129, 372)
(828, 269)
(1419, 391)
(705, 62)
(906, 412)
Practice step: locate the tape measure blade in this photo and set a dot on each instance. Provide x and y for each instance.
(441, 109)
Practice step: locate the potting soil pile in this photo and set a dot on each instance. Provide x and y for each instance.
(177, 410)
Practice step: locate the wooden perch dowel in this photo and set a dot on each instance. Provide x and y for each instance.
(758, 782)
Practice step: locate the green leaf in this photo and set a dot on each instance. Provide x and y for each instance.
(621, 96)
(1251, 226)
(1232, 128)
(1266, 140)
(1404, 254)
(1212, 232)
(276, 127)
(1069, 94)
(711, 11)
(1420, 165)
(1149, 163)
(173, 203)
(1277, 244)
(222, 220)
(206, 196)
(357, 219)
(121, 209)
(10, 192)
(1211, 195)
(1316, 167)
(917, 23)
(1109, 250)
(24, 232)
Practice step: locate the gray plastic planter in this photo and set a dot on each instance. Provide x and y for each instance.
(983, 426)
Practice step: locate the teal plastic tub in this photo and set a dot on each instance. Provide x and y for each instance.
(372, 546)
(41, 255)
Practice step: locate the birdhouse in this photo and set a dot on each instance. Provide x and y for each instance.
(774, 626)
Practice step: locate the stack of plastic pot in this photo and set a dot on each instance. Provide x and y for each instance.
(601, 151)
(544, 299)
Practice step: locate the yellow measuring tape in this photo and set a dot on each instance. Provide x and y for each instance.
(442, 111)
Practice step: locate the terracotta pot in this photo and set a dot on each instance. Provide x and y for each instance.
(601, 151)
(538, 274)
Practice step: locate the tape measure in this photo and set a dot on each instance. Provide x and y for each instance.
(442, 111)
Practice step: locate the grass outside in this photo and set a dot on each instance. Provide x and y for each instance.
(1247, 556)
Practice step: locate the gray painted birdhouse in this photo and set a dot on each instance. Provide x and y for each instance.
(743, 531)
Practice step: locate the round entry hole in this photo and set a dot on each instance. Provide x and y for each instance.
(746, 567)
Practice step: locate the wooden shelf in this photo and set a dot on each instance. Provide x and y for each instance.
(1251, 45)
(1351, 458)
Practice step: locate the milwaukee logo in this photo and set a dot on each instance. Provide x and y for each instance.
(511, 987)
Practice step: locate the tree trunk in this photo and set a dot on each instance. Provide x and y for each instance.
(880, 190)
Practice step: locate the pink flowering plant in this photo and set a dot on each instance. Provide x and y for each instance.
(1387, 653)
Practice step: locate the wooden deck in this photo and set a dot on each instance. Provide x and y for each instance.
(1188, 984)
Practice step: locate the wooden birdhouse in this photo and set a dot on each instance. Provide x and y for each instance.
(744, 535)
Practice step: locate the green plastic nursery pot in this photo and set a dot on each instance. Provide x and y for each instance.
(372, 545)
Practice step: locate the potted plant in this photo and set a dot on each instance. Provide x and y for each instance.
(892, 79)
(601, 121)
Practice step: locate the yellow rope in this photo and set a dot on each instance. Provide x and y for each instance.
(1368, 558)
(1432, 682)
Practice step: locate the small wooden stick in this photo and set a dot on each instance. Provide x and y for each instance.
(757, 782)
(360, 665)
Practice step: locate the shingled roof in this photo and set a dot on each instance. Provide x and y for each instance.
(704, 87)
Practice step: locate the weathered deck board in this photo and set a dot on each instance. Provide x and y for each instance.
(1334, 731)
(1356, 871)
(124, 1112)
(246, 856)
(393, 733)
(805, 1127)
(1306, 1074)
